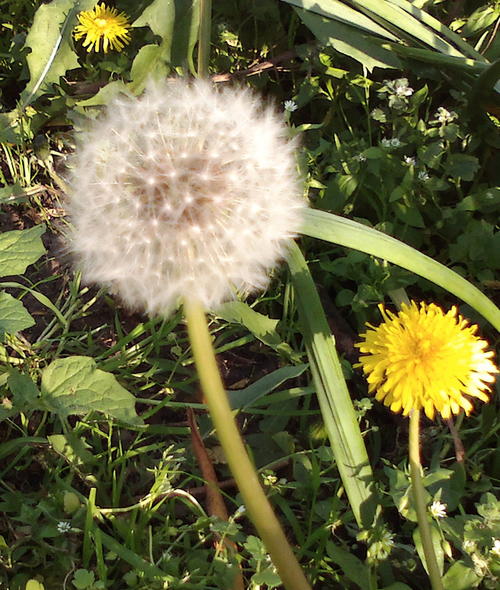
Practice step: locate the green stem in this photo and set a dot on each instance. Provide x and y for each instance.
(204, 37)
(420, 505)
(256, 503)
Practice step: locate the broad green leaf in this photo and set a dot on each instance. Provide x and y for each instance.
(34, 585)
(25, 393)
(436, 543)
(13, 315)
(159, 16)
(150, 62)
(349, 41)
(73, 448)
(19, 249)
(345, 232)
(244, 398)
(335, 402)
(460, 576)
(353, 568)
(75, 386)
(51, 47)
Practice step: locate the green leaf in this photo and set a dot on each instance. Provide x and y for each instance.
(13, 315)
(24, 391)
(83, 579)
(73, 448)
(268, 577)
(460, 576)
(150, 62)
(75, 386)
(349, 41)
(159, 16)
(244, 398)
(436, 543)
(261, 326)
(462, 166)
(345, 232)
(51, 47)
(19, 249)
(34, 585)
(354, 569)
(187, 22)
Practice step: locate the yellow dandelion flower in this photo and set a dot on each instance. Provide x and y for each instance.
(424, 358)
(103, 23)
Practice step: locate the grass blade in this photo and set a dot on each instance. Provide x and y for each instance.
(345, 232)
(336, 406)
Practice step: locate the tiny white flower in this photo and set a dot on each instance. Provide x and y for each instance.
(360, 158)
(423, 175)
(409, 160)
(63, 526)
(495, 550)
(239, 511)
(445, 116)
(469, 546)
(290, 106)
(394, 142)
(437, 509)
(190, 190)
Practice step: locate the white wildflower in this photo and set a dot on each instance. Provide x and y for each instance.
(360, 158)
(469, 546)
(423, 175)
(495, 550)
(290, 106)
(409, 160)
(437, 509)
(444, 116)
(189, 190)
(63, 526)
(394, 142)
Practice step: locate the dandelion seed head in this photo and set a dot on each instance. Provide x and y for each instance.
(222, 214)
(424, 358)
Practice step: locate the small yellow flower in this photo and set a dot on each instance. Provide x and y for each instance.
(424, 358)
(106, 23)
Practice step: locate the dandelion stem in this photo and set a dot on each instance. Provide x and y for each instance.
(256, 502)
(420, 505)
(204, 37)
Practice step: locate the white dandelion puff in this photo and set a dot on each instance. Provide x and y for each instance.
(208, 200)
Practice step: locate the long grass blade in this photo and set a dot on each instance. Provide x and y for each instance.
(337, 409)
(345, 232)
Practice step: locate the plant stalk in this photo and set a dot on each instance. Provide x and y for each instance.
(204, 37)
(256, 503)
(420, 505)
